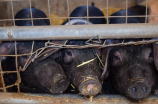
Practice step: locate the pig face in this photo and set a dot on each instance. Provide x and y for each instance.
(44, 74)
(48, 75)
(85, 77)
(132, 70)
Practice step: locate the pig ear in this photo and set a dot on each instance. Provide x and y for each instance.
(155, 50)
(55, 53)
(6, 48)
(105, 53)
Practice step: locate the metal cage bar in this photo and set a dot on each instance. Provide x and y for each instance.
(49, 11)
(146, 19)
(68, 11)
(67, 99)
(107, 17)
(12, 12)
(31, 12)
(126, 10)
(79, 32)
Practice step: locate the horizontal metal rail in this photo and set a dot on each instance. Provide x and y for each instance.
(12, 0)
(22, 98)
(114, 31)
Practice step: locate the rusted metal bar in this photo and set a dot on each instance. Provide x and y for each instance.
(87, 13)
(126, 9)
(146, 11)
(68, 11)
(107, 11)
(31, 12)
(79, 17)
(12, 12)
(49, 10)
(79, 32)
(11, 0)
(67, 99)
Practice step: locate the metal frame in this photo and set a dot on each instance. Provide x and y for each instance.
(68, 10)
(114, 31)
(67, 99)
(105, 31)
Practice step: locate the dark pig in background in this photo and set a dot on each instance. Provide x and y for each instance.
(141, 11)
(81, 11)
(44, 75)
(130, 68)
(85, 78)
(36, 13)
(132, 11)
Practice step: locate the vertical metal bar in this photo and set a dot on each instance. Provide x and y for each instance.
(126, 10)
(31, 12)
(107, 3)
(146, 11)
(18, 72)
(68, 11)
(87, 13)
(12, 12)
(49, 11)
(2, 79)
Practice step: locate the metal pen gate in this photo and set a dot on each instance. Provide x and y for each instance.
(10, 32)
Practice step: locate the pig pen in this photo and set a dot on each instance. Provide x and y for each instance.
(57, 12)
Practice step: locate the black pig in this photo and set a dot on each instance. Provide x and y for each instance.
(131, 71)
(132, 11)
(36, 13)
(44, 74)
(81, 11)
(85, 78)
(119, 20)
(140, 10)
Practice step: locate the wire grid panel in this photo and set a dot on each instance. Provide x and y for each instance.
(57, 12)
(10, 21)
(49, 7)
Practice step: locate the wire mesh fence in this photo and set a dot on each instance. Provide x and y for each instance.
(68, 6)
(22, 33)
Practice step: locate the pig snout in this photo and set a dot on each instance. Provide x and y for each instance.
(139, 90)
(90, 87)
(61, 84)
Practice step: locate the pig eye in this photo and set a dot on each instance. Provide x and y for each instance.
(116, 57)
(151, 54)
(69, 53)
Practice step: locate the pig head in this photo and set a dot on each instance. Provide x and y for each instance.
(43, 75)
(85, 78)
(131, 70)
